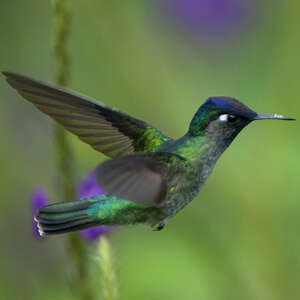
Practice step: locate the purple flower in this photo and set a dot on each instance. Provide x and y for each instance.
(39, 198)
(208, 18)
(92, 234)
(87, 188)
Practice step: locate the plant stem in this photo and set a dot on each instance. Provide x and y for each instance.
(64, 159)
(109, 282)
(65, 163)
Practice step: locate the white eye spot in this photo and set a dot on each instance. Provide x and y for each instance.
(223, 118)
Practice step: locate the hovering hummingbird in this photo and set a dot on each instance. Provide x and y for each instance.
(150, 177)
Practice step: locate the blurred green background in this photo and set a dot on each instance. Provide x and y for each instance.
(159, 61)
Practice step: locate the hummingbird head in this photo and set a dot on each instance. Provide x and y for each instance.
(223, 118)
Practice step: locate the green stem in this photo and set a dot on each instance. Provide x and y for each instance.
(64, 159)
(62, 22)
(109, 282)
(65, 163)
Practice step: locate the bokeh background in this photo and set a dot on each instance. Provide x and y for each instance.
(159, 60)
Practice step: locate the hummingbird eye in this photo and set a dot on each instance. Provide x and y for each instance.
(228, 118)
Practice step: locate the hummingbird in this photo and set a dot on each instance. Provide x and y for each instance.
(150, 176)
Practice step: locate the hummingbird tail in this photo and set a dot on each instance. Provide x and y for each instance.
(85, 213)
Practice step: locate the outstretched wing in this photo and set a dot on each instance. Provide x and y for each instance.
(143, 177)
(106, 130)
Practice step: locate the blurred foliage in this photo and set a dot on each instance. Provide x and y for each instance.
(239, 238)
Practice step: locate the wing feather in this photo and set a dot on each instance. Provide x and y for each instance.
(141, 177)
(106, 130)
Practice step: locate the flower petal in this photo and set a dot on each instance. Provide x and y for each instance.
(92, 234)
(89, 187)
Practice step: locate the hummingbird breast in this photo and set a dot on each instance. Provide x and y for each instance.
(186, 181)
(183, 189)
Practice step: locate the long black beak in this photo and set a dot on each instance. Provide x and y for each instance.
(274, 116)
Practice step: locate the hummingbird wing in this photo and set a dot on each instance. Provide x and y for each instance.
(107, 130)
(143, 177)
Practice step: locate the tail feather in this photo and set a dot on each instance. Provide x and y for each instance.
(66, 227)
(81, 214)
(65, 217)
(59, 217)
(70, 206)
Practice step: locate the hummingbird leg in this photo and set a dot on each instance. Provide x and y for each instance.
(159, 227)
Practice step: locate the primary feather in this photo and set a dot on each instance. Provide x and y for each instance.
(107, 130)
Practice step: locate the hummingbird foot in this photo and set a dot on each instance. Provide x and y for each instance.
(159, 227)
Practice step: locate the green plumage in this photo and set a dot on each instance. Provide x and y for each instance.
(151, 177)
(99, 210)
